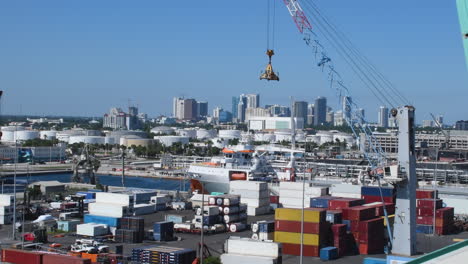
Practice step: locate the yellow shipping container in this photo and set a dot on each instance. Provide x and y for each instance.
(311, 215)
(391, 218)
(295, 238)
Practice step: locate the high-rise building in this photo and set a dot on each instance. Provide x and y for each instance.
(310, 114)
(190, 110)
(360, 115)
(338, 119)
(279, 110)
(253, 100)
(461, 125)
(216, 112)
(241, 107)
(320, 111)
(225, 117)
(330, 119)
(132, 120)
(115, 119)
(346, 102)
(202, 108)
(300, 110)
(383, 116)
(256, 112)
(440, 120)
(235, 103)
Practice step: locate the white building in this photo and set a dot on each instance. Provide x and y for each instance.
(115, 119)
(274, 123)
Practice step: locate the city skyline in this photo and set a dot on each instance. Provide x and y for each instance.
(120, 57)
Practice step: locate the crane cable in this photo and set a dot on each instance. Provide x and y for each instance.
(338, 39)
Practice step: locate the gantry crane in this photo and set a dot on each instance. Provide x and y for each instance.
(402, 172)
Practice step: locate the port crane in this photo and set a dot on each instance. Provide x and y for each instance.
(462, 6)
(402, 172)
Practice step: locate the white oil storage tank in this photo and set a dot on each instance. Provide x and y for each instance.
(169, 140)
(229, 134)
(162, 130)
(26, 135)
(191, 133)
(86, 140)
(206, 134)
(109, 140)
(325, 137)
(48, 134)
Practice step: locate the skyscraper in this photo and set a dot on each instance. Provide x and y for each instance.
(253, 100)
(116, 119)
(235, 103)
(300, 110)
(132, 121)
(383, 116)
(241, 106)
(190, 109)
(320, 111)
(202, 108)
(346, 102)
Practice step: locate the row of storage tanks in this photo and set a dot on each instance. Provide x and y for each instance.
(166, 137)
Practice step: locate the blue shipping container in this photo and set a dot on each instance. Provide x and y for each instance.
(374, 261)
(110, 221)
(398, 259)
(374, 191)
(320, 202)
(266, 227)
(163, 231)
(87, 195)
(328, 253)
(424, 229)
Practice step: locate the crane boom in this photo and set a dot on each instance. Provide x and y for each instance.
(462, 6)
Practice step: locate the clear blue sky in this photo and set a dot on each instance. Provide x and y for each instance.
(83, 57)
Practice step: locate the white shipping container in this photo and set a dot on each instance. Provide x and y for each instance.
(294, 201)
(247, 246)
(311, 192)
(144, 209)
(6, 210)
(108, 209)
(92, 229)
(345, 195)
(208, 210)
(460, 203)
(186, 226)
(55, 205)
(250, 193)
(256, 202)
(345, 188)
(231, 201)
(115, 198)
(6, 200)
(253, 211)
(241, 258)
(294, 185)
(248, 185)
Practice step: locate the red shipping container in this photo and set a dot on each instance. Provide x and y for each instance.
(441, 222)
(446, 213)
(360, 213)
(339, 229)
(274, 199)
(425, 211)
(443, 230)
(21, 256)
(372, 248)
(426, 194)
(429, 203)
(295, 227)
(371, 231)
(354, 226)
(373, 199)
(344, 203)
(425, 220)
(63, 259)
(294, 249)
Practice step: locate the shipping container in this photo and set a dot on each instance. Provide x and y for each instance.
(122, 199)
(21, 256)
(261, 202)
(373, 199)
(426, 194)
(92, 230)
(320, 202)
(109, 209)
(63, 259)
(248, 185)
(429, 203)
(295, 238)
(97, 219)
(6, 200)
(378, 191)
(176, 219)
(312, 215)
(295, 227)
(247, 246)
(163, 231)
(242, 258)
(295, 249)
(328, 253)
(253, 211)
(334, 216)
(360, 213)
(344, 203)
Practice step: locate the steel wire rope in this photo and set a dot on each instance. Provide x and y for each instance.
(364, 59)
(341, 50)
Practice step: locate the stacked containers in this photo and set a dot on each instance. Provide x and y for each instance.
(255, 194)
(245, 250)
(291, 195)
(371, 236)
(425, 214)
(21, 256)
(372, 194)
(210, 214)
(96, 219)
(288, 230)
(230, 212)
(163, 231)
(444, 220)
(163, 255)
(161, 201)
(263, 230)
(340, 239)
(92, 229)
(109, 208)
(132, 230)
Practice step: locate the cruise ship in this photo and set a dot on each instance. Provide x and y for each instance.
(240, 162)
